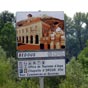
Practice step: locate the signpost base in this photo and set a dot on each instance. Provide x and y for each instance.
(41, 81)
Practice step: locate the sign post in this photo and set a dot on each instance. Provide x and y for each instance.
(41, 81)
(40, 44)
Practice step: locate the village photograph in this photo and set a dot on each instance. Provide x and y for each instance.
(40, 32)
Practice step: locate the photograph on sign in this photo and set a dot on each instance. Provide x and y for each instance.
(37, 31)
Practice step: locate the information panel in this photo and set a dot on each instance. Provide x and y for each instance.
(40, 43)
(46, 54)
(35, 68)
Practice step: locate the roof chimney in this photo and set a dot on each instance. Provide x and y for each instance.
(29, 15)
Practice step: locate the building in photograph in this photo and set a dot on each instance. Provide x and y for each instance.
(36, 33)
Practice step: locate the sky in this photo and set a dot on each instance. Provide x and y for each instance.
(70, 7)
(24, 15)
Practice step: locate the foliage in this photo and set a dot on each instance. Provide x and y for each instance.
(2, 53)
(83, 58)
(5, 68)
(76, 33)
(74, 76)
(29, 83)
(8, 79)
(51, 82)
(76, 70)
(7, 33)
(7, 39)
(6, 17)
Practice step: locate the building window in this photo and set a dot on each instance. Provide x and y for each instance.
(19, 39)
(19, 31)
(48, 46)
(30, 28)
(26, 39)
(16, 32)
(62, 46)
(36, 39)
(22, 30)
(26, 30)
(22, 39)
(31, 39)
(35, 26)
(41, 46)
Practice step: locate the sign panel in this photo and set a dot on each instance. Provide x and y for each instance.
(40, 39)
(40, 31)
(35, 68)
(46, 54)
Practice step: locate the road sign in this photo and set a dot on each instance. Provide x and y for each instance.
(40, 39)
(37, 68)
(40, 54)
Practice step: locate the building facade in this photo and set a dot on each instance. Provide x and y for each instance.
(35, 34)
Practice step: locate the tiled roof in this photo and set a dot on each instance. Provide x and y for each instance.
(49, 21)
(28, 21)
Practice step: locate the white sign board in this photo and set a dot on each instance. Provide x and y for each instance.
(40, 43)
(35, 68)
(41, 54)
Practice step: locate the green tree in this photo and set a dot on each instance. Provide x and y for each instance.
(6, 71)
(83, 58)
(7, 32)
(78, 22)
(76, 33)
(8, 39)
(53, 82)
(85, 29)
(5, 68)
(74, 76)
(71, 40)
(6, 17)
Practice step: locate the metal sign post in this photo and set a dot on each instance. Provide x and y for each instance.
(41, 81)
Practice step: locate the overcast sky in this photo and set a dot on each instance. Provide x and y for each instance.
(70, 7)
(56, 14)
